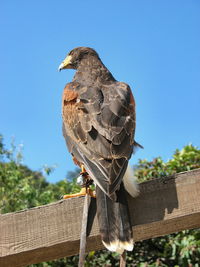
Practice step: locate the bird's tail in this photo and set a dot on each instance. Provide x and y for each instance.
(114, 221)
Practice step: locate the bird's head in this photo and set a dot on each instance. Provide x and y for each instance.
(75, 56)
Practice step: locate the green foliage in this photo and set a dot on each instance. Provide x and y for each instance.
(22, 188)
(183, 160)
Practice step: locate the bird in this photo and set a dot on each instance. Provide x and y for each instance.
(99, 123)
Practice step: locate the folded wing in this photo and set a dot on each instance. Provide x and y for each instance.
(99, 126)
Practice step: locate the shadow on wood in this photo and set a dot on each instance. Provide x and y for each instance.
(157, 198)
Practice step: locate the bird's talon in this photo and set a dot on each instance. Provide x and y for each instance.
(80, 194)
(83, 192)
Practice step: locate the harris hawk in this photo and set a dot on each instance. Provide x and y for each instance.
(98, 126)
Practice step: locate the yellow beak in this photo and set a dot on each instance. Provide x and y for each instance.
(66, 62)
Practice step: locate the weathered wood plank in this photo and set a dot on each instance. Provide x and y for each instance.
(50, 232)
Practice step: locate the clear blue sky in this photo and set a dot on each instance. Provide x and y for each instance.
(154, 46)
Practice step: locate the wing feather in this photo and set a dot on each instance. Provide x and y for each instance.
(99, 126)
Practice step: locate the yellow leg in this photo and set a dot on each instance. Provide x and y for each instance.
(83, 170)
(83, 192)
(80, 194)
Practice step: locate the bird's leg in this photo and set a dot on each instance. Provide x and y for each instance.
(85, 182)
(88, 182)
(80, 194)
(83, 170)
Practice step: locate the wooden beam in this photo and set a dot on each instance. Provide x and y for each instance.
(165, 205)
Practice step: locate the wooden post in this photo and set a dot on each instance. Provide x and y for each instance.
(164, 206)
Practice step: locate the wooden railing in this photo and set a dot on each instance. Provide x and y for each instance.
(164, 206)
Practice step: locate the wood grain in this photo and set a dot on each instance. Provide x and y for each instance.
(164, 206)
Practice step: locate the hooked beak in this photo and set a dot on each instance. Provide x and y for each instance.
(66, 62)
